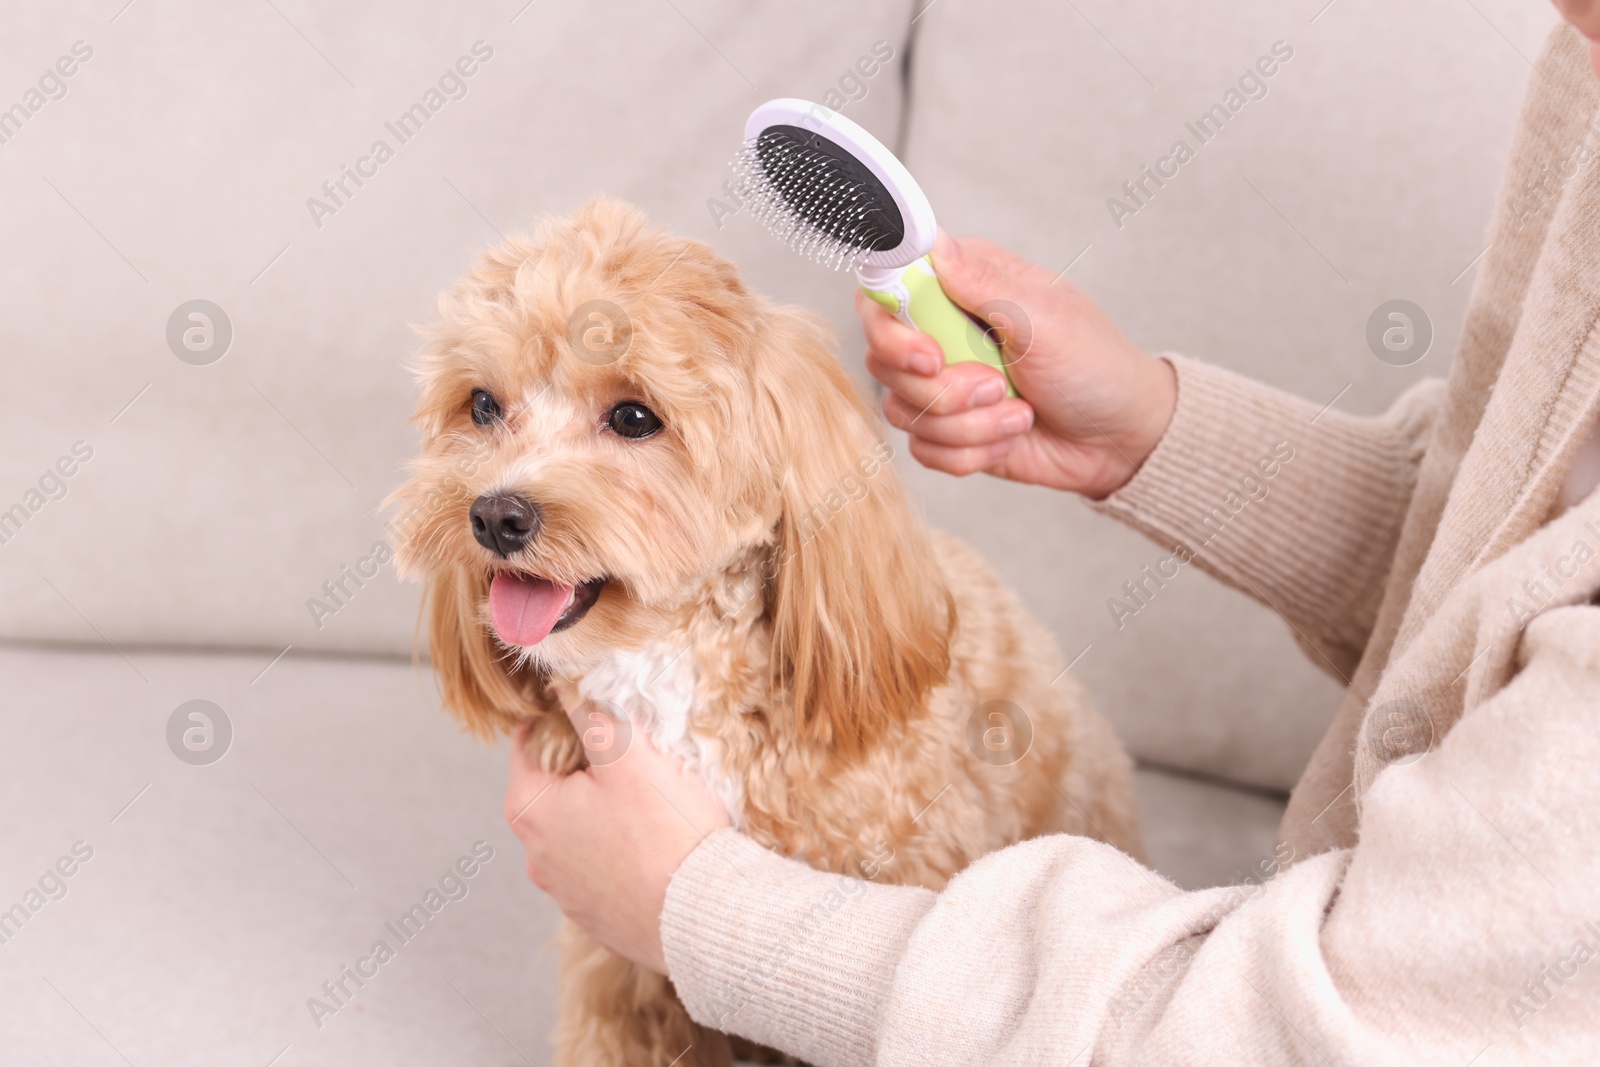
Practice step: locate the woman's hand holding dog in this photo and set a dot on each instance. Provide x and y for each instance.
(1093, 405)
(605, 841)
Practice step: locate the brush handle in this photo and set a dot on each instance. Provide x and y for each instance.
(913, 295)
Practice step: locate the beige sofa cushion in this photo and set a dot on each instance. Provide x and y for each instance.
(179, 166)
(218, 898)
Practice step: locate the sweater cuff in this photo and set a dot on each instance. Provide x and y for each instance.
(1296, 506)
(771, 950)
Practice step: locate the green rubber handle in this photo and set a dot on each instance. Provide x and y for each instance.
(913, 295)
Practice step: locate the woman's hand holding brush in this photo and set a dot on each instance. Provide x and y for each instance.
(1092, 406)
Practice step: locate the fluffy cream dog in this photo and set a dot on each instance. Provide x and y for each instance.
(678, 520)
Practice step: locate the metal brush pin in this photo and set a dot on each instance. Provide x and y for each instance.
(844, 229)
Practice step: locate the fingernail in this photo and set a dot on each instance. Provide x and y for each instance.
(926, 363)
(1016, 422)
(988, 392)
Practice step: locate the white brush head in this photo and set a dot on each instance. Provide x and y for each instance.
(830, 189)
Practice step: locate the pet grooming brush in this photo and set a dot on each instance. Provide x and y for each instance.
(831, 191)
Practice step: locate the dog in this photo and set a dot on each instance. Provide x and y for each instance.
(651, 501)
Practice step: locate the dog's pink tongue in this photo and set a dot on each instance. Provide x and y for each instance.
(524, 609)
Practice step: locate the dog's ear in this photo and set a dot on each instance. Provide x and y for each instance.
(861, 615)
(482, 687)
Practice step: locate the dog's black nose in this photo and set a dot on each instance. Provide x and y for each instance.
(504, 522)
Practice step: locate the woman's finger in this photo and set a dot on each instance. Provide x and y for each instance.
(978, 426)
(960, 461)
(897, 345)
(959, 387)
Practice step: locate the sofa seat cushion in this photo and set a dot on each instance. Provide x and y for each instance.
(217, 898)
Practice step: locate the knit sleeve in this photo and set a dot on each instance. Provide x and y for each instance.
(772, 950)
(1465, 917)
(1297, 506)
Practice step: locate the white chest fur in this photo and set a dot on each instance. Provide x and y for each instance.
(654, 689)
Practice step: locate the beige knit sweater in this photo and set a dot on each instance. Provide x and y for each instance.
(1443, 904)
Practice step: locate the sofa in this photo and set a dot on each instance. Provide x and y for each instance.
(228, 775)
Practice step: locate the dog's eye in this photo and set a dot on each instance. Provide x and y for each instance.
(485, 408)
(633, 420)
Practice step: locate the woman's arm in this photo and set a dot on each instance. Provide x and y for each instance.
(1467, 917)
(1296, 505)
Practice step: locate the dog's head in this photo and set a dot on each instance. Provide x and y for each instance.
(611, 424)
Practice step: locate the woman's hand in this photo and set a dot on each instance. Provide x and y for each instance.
(1093, 404)
(605, 841)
